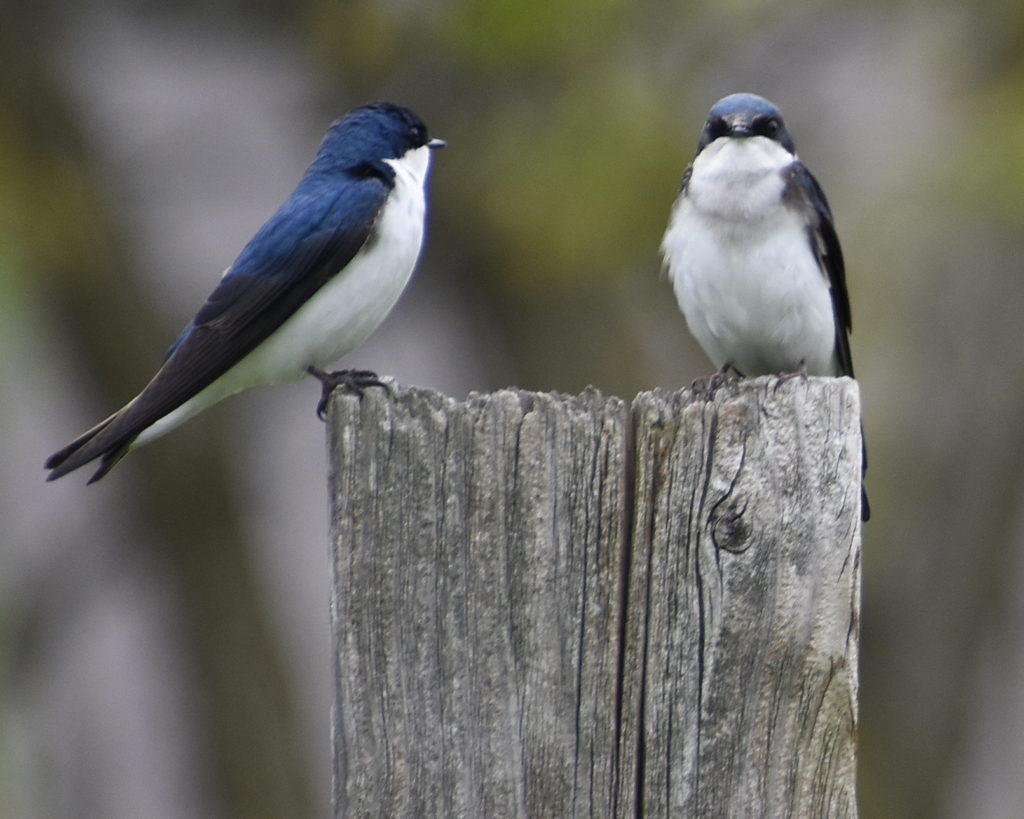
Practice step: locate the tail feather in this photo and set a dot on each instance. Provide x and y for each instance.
(109, 440)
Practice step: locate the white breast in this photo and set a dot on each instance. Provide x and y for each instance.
(343, 313)
(353, 304)
(742, 267)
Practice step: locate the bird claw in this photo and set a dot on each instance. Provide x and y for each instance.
(800, 372)
(354, 381)
(719, 378)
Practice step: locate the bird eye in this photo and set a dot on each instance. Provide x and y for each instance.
(715, 128)
(767, 126)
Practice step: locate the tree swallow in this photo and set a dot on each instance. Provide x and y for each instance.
(752, 251)
(309, 287)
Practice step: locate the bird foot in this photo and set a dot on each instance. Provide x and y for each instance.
(351, 380)
(719, 378)
(800, 372)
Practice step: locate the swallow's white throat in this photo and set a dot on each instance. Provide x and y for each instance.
(344, 312)
(742, 265)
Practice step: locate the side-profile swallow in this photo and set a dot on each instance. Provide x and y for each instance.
(309, 287)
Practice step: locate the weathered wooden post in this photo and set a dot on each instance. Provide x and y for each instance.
(554, 606)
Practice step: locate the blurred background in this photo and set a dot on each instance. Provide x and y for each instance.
(164, 633)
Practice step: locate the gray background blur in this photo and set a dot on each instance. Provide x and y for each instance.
(163, 634)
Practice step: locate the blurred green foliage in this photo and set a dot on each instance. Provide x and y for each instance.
(576, 189)
(47, 203)
(523, 33)
(990, 168)
(569, 125)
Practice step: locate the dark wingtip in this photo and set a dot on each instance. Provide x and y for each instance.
(110, 459)
(61, 463)
(99, 442)
(56, 462)
(58, 468)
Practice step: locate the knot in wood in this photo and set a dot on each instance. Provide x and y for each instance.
(730, 528)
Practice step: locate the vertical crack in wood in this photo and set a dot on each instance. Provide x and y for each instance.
(500, 650)
(627, 522)
(696, 546)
